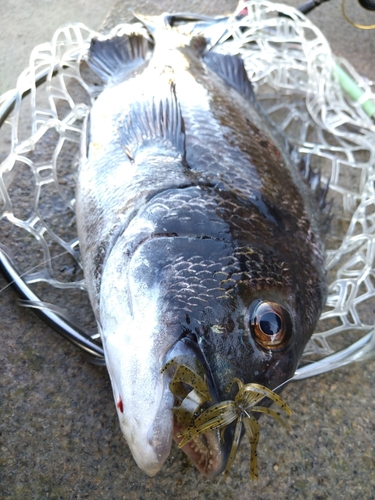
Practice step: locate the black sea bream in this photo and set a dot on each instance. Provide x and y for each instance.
(200, 235)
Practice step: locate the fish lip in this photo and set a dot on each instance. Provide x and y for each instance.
(208, 452)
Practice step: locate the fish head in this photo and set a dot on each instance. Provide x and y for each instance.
(143, 318)
(237, 311)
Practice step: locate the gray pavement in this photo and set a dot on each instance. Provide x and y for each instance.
(59, 435)
(26, 23)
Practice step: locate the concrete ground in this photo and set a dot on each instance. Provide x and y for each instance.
(59, 435)
(26, 23)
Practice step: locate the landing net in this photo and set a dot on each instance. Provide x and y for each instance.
(297, 81)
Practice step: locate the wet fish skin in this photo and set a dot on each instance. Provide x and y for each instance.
(191, 212)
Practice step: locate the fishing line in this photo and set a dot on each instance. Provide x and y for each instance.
(22, 275)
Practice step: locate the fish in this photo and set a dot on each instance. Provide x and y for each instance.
(201, 237)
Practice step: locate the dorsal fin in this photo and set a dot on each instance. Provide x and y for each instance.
(313, 178)
(232, 70)
(113, 56)
(154, 121)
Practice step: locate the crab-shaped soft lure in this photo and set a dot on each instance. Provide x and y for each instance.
(241, 408)
(189, 401)
(220, 415)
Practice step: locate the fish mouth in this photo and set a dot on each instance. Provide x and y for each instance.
(205, 451)
(208, 451)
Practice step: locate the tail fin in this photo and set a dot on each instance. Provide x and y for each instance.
(112, 57)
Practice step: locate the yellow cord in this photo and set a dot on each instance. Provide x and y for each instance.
(360, 26)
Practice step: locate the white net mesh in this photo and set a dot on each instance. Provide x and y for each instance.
(296, 79)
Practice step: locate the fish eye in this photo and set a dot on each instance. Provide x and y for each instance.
(270, 324)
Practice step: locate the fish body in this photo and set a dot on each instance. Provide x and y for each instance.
(200, 236)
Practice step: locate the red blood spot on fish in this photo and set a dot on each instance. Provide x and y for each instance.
(120, 405)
